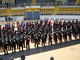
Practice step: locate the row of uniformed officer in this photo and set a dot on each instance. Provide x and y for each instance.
(39, 33)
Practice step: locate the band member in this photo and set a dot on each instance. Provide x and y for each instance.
(69, 34)
(60, 25)
(74, 33)
(64, 25)
(68, 25)
(39, 37)
(13, 26)
(9, 43)
(1, 44)
(36, 40)
(55, 37)
(45, 34)
(65, 36)
(54, 26)
(23, 39)
(5, 45)
(43, 40)
(50, 39)
(27, 42)
(32, 36)
(20, 43)
(60, 36)
(13, 44)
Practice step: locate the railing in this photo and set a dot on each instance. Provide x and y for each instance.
(24, 4)
(9, 5)
(43, 13)
(60, 12)
(69, 12)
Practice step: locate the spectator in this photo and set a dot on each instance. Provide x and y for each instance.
(22, 57)
(51, 58)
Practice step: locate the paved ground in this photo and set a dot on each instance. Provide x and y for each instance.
(66, 53)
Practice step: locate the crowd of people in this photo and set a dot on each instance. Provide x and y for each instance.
(19, 35)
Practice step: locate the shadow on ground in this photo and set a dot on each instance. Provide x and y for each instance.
(40, 49)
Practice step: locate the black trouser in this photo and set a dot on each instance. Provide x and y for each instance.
(5, 49)
(1, 47)
(70, 37)
(32, 40)
(17, 45)
(60, 39)
(65, 39)
(50, 41)
(27, 46)
(36, 42)
(9, 46)
(43, 42)
(75, 35)
(21, 45)
(24, 43)
(14, 48)
(55, 41)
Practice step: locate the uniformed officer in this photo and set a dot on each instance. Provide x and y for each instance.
(50, 38)
(23, 39)
(20, 42)
(60, 36)
(54, 26)
(1, 44)
(17, 41)
(68, 25)
(9, 43)
(64, 25)
(55, 37)
(13, 44)
(60, 25)
(45, 34)
(32, 36)
(27, 38)
(5, 45)
(36, 40)
(65, 36)
(70, 36)
(74, 33)
(39, 37)
(43, 40)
